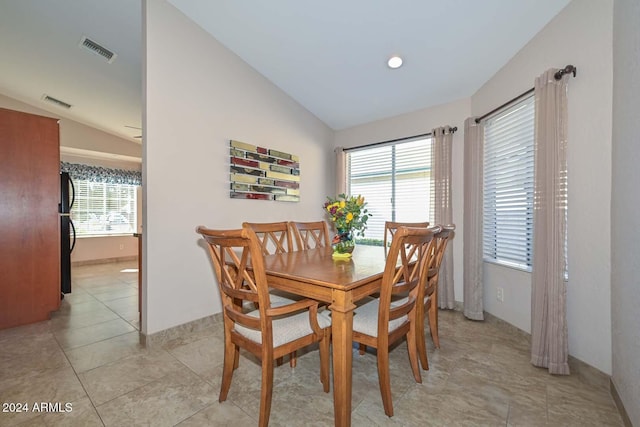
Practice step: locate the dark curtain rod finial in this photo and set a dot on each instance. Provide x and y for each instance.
(452, 129)
(566, 70)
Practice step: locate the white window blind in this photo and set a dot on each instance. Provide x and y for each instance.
(395, 180)
(508, 186)
(104, 209)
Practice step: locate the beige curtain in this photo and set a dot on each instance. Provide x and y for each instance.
(341, 171)
(441, 204)
(472, 235)
(549, 341)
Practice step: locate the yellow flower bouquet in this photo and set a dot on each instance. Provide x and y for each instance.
(349, 215)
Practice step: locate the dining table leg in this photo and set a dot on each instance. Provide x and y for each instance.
(342, 336)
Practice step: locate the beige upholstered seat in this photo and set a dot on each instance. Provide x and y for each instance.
(269, 331)
(310, 235)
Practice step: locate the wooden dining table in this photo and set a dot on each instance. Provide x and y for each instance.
(341, 283)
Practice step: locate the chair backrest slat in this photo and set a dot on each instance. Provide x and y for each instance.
(390, 228)
(274, 237)
(405, 272)
(310, 235)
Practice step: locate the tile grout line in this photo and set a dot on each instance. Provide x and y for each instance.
(95, 408)
(80, 381)
(118, 314)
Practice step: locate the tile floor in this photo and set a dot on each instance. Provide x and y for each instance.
(88, 355)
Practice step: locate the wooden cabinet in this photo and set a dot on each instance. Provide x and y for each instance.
(29, 219)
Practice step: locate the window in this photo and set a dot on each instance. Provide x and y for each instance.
(395, 180)
(508, 186)
(103, 209)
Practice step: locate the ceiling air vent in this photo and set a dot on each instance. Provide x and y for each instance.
(94, 47)
(56, 101)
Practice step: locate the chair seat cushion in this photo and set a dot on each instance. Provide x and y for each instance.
(286, 328)
(277, 300)
(365, 319)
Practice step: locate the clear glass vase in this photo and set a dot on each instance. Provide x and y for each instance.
(343, 243)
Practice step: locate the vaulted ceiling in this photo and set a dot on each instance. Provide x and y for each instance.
(329, 56)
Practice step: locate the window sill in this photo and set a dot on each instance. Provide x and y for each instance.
(507, 265)
(90, 236)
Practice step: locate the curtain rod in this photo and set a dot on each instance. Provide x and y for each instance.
(558, 75)
(374, 144)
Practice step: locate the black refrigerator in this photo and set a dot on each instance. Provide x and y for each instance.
(67, 230)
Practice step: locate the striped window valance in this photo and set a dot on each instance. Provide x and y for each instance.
(79, 171)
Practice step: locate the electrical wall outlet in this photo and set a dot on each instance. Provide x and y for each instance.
(500, 294)
(121, 246)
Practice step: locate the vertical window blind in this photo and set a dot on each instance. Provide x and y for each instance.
(508, 186)
(394, 179)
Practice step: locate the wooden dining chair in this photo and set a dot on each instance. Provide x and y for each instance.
(310, 235)
(268, 332)
(390, 228)
(429, 292)
(275, 238)
(385, 320)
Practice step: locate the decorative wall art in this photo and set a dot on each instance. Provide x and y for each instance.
(263, 174)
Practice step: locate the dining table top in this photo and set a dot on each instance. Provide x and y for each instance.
(318, 267)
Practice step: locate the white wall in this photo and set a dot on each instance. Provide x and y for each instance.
(92, 249)
(78, 135)
(198, 96)
(416, 123)
(580, 35)
(625, 220)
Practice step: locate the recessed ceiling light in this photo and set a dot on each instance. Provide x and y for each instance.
(394, 62)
